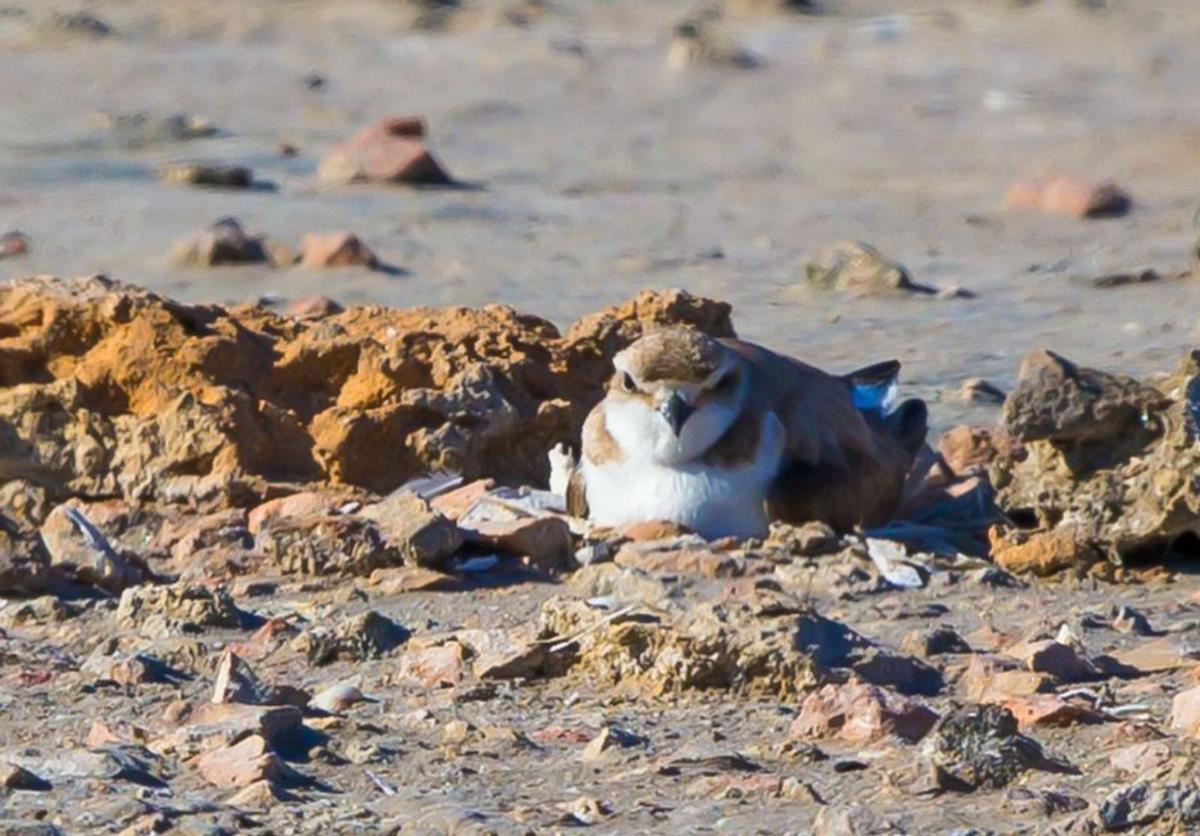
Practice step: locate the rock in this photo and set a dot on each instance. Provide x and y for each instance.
(103, 733)
(455, 503)
(978, 390)
(934, 642)
(225, 242)
(313, 307)
(607, 740)
(180, 603)
(1121, 278)
(368, 635)
(223, 723)
(1152, 657)
(13, 243)
(992, 679)
(1030, 802)
(1055, 659)
(853, 820)
(260, 794)
(979, 747)
(326, 545)
(1107, 456)
(391, 151)
(861, 270)
(236, 682)
(504, 654)
(808, 540)
(77, 24)
(687, 556)
(1044, 710)
(77, 547)
(320, 503)
(420, 535)
(336, 698)
(861, 714)
(401, 579)
(1144, 803)
(241, 764)
(14, 777)
(643, 532)
(1185, 712)
(440, 666)
(968, 449)
(208, 174)
(135, 130)
(700, 40)
(335, 249)
(1141, 758)
(545, 540)
(1067, 196)
(1042, 552)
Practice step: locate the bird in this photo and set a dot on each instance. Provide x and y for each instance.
(724, 437)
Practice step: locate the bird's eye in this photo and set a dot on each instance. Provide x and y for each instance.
(627, 382)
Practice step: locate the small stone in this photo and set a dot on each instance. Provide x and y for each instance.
(326, 545)
(400, 579)
(224, 243)
(1185, 712)
(456, 503)
(811, 539)
(607, 740)
(13, 243)
(313, 307)
(935, 642)
(455, 732)
(1041, 552)
(236, 682)
(861, 270)
(181, 603)
(208, 174)
(233, 721)
(77, 546)
(1055, 659)
(861, 714)
(336, 698)
(1141, 758)
(1068, 196)
(297, 505)
(259, 795)
(78, 24)
(335, 249)
(241, 764)
(13, 777)
(421, 535)
(853, 820)
(992, 679)
(368, 635)
(501, 654)
(392, 151)
(104, 733)
(969, 449)
(978, 390)
(641, 532)
(1152, 657)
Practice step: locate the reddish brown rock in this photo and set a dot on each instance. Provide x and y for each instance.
(454, 504)
(236, 682)
(335, 249)
(861, 714)
(969, 449)
(313, 307)
(1053, 658)
(105, 733)
(13, 244)
(391, 151)
(1049, 710)
(1068, 196)
(992, 679)
(504, 654)
(651, 530)
(241, 764)
(302, 504)
(400, 579)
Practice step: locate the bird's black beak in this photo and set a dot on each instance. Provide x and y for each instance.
(675, 410)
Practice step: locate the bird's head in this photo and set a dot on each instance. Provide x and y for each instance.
(673, 394)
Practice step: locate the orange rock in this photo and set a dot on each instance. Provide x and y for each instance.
(545, 540)
(1041, 552)
(400, 579)
(1053, 658)
(391, 151)
(683, 561)
(104, 733)
(652, 530)
(1141, 758)
(991, 679)
(967, 449)
(302, 504)
(861, 714)
(1067, 196)
(241, 764)
(335, 249)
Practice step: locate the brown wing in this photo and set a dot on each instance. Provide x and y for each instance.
(838, 467)
(817, 409)
(577, 504)
(599, 448)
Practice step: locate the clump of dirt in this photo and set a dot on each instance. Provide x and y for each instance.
(110, 390)
(1105, 462)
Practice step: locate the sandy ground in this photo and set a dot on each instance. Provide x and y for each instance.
(597, 171)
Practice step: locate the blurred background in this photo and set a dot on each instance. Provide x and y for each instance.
(601, 147)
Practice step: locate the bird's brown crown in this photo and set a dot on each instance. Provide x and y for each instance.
(672, 354)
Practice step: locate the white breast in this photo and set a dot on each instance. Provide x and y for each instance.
(712, 501)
